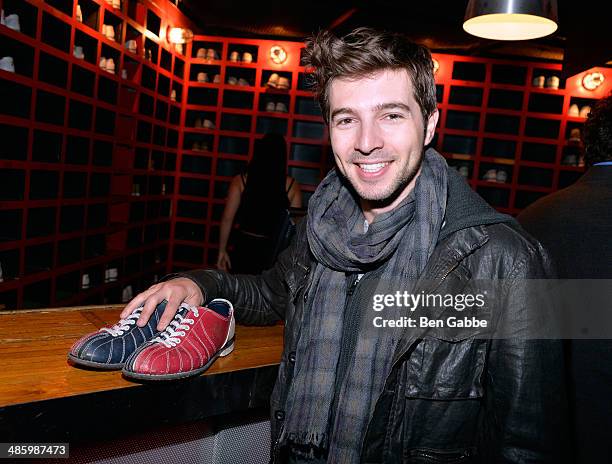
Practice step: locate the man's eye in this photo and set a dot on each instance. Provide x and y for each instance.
(344, 121)
(394, 116)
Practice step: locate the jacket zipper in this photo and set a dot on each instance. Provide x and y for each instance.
(353, 285)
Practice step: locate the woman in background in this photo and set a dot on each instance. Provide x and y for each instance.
(257, 200)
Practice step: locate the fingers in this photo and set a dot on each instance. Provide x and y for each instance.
(223, 262)
(150, 304)
(174, 291)
(138, 300)
(171, 309)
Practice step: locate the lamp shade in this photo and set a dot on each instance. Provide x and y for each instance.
(511, 19)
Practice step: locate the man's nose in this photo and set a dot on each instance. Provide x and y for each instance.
(368, 138)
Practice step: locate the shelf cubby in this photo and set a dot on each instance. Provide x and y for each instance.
(89, 44)
(306, 152)
(469, 71)
(545, 103)
(179, 67)
(238, 100)
(512, 74)
(77, 150)
(196, 164)
(230, 167)
(10, 264)
(27, 12)
(74, 184)
(55, 33)
(469, 96)
(105, 121)
(202, 96)
(80, 115)
(22, 54)
(12, 220)
(153, 22)
(459, 144)
(83, 81)
(165, 61)
(194, 187)
(102, 153)
(16, 99)
(15, 142)
(41, 222)
(542, 128)
(200, 48)
(499, 148)
(65, 6)
(235, 122)
(91, 13)
(163, 86)
(502, 124)
(72, 218)
(151, 51)
(241, 49)
(47, 146)
(505, 99)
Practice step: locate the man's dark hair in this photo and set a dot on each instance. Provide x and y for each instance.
(363, 52)
(598, 133)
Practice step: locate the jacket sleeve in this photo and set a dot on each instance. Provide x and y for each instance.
(525, 404)
(257, 299)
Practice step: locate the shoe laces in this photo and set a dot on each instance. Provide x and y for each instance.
(124, 324)
(177, 329)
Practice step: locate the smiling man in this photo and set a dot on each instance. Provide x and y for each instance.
(378, 133)
(391, 218)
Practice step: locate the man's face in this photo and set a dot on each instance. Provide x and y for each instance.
(377, 134)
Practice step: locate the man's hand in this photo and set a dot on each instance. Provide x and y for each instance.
(175, 291)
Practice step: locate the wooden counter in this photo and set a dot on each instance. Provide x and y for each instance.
(37, 381)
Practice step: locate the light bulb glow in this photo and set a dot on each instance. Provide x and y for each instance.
(509, 26)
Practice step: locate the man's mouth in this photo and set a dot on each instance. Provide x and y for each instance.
(372, 168)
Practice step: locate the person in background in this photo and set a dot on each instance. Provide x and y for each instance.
(256, 201)
(575, 226)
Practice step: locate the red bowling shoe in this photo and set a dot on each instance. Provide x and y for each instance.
(188, 346)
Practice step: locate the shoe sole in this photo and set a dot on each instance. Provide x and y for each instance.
(97, 365)
(227, 349)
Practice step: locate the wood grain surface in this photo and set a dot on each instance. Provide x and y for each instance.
(34, 345)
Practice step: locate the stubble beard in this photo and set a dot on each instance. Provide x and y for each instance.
(380, 198)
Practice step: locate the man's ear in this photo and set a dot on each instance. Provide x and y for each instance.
(430, 127)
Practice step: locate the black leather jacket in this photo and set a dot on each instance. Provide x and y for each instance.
(445, 400)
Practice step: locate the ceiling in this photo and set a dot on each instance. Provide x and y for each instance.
(582, 41)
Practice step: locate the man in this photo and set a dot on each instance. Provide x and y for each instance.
(575, 226)
(393, 216)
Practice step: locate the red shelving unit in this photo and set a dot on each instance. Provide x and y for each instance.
(104, 171)
(90, 155)
(494, 118)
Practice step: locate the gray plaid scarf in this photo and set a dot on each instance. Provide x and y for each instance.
(396, 247)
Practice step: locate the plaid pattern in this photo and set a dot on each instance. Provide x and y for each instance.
(402, 241)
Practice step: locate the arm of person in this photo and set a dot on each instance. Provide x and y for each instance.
(258, 300)
(295, 194)
(526, 412)
(227, 220)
